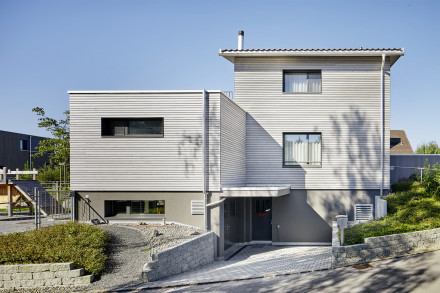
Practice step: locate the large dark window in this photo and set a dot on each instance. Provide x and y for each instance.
(302, 149)
(24, 146)
(134, 207)
(302, 81)
(147, 127)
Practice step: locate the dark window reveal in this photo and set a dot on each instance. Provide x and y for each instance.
(134, 207)
(24, 146)
(147, 127)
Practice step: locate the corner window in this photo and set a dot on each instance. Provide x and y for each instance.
(302, 149)
(302, 81)
(24, 146)
(146, 127)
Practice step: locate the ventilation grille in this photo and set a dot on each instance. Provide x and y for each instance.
(197, 207)
(363, 212)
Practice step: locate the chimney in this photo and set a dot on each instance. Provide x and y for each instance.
(240, 39)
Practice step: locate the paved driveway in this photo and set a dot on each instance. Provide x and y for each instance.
(254, 262)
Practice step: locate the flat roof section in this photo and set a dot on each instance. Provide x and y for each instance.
(255, 191)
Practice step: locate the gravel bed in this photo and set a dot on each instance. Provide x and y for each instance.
(131, 247)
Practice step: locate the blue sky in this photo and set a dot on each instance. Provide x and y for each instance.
(50, 47)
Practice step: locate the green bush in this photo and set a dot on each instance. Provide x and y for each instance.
(414, 209)
(72, 242)
(48, 173)
(401, 186)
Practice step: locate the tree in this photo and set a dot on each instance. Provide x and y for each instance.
(428, 148)
(58, 147)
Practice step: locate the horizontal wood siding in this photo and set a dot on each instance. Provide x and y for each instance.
(213, 141)
(171, 163)
(347, 113)
(233, 143)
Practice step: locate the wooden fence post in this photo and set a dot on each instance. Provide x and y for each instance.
(34, 176)
(17, 176)
(10, 208)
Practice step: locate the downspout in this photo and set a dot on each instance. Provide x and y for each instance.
(30, 152)
(382, 126)
(205, 195)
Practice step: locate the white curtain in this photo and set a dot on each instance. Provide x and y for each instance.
(301, 82)
(302, 149)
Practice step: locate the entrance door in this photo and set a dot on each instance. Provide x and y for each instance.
(262, 219)
(232, 212)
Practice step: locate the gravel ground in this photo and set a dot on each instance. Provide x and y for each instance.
(130, 248)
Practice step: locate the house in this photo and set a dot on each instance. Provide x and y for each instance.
(305, 138)
(16, 149)
(399, 143)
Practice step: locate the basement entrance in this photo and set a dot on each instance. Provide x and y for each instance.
(261, 219)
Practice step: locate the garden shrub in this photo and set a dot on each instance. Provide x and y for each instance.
(81, 244)
(401, 186)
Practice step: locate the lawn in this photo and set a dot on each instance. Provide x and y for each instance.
(410, 208)
(81, 244)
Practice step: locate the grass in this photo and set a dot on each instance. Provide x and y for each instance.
(411, 208)
(81, 244)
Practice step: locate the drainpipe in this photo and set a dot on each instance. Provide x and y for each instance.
(382, 122)
(30, 152)
(205, 195)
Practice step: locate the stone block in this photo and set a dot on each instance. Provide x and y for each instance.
(83, 280)
(32, 283)
(67, 266)
(33, 268)
(12, 284)
(53, 282)
(5, 277)
(8, 269)
(22, 276)
(69, 274)
(43, 275)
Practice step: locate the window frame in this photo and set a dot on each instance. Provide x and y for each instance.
(300, 165)
(105, 121)
(306, 71)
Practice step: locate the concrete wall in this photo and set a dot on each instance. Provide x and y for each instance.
(181, 258)
(42, 275)
(305, 216)
(389, 246)
(177, 205)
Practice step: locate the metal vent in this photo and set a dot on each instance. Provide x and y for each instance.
(197, 207)
(363, 212)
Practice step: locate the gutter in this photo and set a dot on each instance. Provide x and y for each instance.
(205, 195)
(382, 126)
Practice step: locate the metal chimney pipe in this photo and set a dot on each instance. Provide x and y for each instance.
(240, 39)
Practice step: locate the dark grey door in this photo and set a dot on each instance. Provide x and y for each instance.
(262, 219)
(232, 221)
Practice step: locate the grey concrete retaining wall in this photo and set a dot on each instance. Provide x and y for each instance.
(42, 275)
(184, 257)
(382, 247)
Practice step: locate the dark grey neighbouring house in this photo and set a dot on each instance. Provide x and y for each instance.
(16, 150)
(304, 139)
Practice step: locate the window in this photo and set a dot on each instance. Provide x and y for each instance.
(134, 207)
(24, 146)
(302, 149)
(394, 141)
(302, 82)
(146, 127)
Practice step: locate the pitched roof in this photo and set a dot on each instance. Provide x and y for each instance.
(399, 143)
(230, 54)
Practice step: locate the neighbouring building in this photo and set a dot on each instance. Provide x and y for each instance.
(16, 149)
(399, 143)
(305, 138)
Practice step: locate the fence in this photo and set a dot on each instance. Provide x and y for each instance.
(402, 166)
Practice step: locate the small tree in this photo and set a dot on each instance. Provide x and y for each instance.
(428, 148)
(58, 146)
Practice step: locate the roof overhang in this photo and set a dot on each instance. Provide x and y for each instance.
(255, 191)
(393, 54)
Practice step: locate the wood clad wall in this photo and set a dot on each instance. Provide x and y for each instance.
(347, 113)
(171, 163)
(233, 143)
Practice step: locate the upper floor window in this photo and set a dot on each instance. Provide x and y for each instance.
(24, 146)
(147, 127)
(302, 149)
(302, 81)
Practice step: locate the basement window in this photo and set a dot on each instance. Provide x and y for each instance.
(137, 127)
(114, 208)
